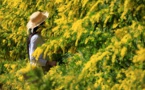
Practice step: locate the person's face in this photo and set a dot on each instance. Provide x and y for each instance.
(40, 27)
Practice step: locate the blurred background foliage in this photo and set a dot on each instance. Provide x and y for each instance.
(100, 42)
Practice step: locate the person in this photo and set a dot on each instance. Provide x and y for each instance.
(34, 28)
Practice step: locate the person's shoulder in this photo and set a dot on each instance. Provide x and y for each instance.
(35, 37)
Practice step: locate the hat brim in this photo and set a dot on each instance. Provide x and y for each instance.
(31, 24)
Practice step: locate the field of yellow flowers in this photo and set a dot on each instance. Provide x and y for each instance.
(99, 45)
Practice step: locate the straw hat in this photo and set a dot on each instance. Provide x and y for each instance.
(36, 19)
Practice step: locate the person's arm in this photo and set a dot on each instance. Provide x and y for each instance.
(35, 41)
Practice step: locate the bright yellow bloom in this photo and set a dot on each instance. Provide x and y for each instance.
(127, 6)
(106, 20)
(79, 62)
(112, 5)
(62, 8)
(33, 66)
(84, 2)
(95, 5)
(126, 38)
(115, 24)
(13, 66)
(21, 78)
(4, 41)
(6, 65)
(113, 58)
(67, 34)
(94, 59)
(24, 70)
(37, 52)
(140, 57)
(120, 33)
(117, 44)
(77, 28)
(123, 52)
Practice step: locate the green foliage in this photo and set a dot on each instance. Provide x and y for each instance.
(99, 45)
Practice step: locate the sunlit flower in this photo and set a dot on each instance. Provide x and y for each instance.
(126, 38)
(13, 66)
(21, 78)
(6, 65)
(79, 62)
(140, 57)
(123, 52)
